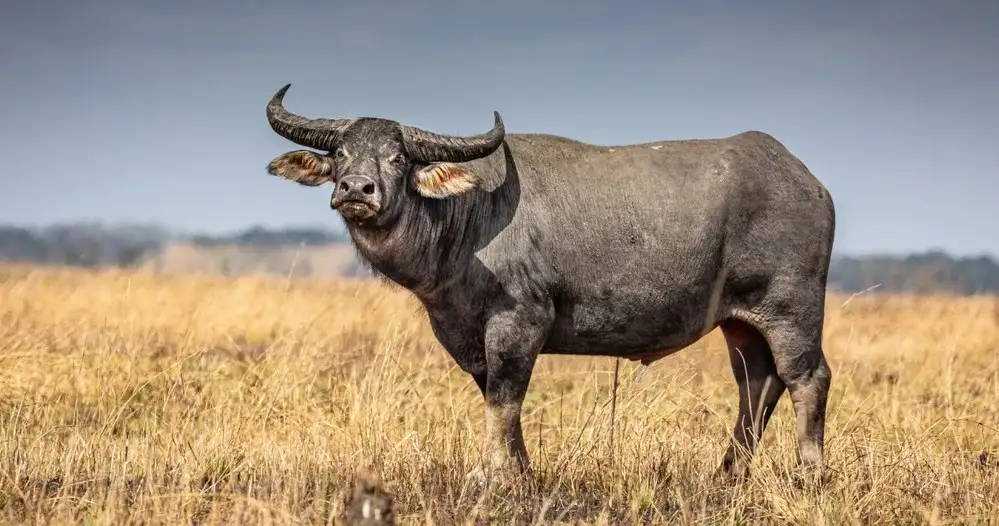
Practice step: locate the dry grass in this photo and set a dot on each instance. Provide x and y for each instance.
(133, 398)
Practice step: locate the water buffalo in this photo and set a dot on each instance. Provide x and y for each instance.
(526, 244)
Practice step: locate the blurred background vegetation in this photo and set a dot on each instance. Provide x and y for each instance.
(326, 253)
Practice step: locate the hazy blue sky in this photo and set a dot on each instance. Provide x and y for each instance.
(154, 111)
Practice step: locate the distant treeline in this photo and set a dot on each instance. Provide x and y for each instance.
(262, 237)
(933, 271)
(94, 246)
(84, 245)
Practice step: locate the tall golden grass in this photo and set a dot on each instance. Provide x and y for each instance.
(131, 398)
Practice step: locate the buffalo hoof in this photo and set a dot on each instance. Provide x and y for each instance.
(811, 477)
(482, 478)
(478, 479)
(732, 470)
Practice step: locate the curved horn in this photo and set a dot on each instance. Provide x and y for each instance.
(429, 147)
(314, 133)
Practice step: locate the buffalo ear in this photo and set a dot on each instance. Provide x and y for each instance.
(302, 166)
(443, 180)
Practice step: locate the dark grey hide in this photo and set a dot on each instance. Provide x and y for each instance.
(527, 244)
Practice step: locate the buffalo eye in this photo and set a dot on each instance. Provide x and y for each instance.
(398, 159)
(339, 154)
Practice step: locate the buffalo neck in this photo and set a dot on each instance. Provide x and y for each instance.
(432, 241)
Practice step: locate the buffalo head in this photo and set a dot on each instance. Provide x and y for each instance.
(376, 164)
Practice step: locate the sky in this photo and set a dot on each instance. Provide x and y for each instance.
(153, 111)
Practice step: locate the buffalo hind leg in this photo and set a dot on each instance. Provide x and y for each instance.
(760, 388)
(513, 340)
(802, 366)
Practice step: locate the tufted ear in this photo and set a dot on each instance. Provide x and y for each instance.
(302, 166)
(443, 180)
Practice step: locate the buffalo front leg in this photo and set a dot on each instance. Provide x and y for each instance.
(513, 340)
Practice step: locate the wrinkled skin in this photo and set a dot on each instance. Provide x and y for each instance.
(537, 244)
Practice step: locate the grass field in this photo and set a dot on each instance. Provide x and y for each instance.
(132, 398)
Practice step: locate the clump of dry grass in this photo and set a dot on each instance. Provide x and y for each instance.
(136, 398)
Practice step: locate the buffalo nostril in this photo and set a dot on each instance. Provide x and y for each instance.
(344, 186)
(369, 188)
